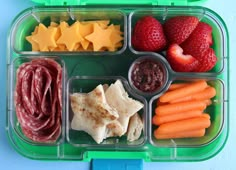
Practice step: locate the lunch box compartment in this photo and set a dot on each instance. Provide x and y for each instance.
(163, 14)
(25, 26)
(85, 84)
(13, 116)
(215, 111)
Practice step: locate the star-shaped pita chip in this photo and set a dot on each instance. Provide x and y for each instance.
(92, 113)
(118, 98)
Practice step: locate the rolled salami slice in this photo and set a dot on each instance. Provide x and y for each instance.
(38, 102)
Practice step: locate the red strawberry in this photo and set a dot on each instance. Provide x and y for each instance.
(178, 61)
(199, 41)
(148, 35)
(178, 29)
(206, 61)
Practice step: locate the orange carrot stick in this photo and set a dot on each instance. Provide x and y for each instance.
(208, 102)
(197, 123)
(184, 91)
(206, 115)
(160, 103)
(177, 86)
(180, 107)
(185, 134)
(207, 93)
(158, 120)
(183, 99)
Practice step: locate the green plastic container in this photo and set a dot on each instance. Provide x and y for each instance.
(107, 67)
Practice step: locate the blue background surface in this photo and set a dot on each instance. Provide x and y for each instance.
(10, 159)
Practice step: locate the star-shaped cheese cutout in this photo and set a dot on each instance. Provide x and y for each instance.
(77, 45)
(115, 37)
(45, 37)
(85, 29)
(55, 25)
(56, 37)
(60, 47)
(92, 113)
(94, 35)
(63, 25)
(117, 27)
(35, 46)
(101, 23)
(89, 48)
(100, 37)
(114, 48)
(70, 36)
(35, 30)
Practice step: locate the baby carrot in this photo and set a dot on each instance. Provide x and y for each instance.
(206, 115)
(183, 99)
(158, 120)
(184, 91)
(207, 93)
(185, 134)
(208, 102)
(180, 107)
(177, 86)
(200, 122)
(160, 103)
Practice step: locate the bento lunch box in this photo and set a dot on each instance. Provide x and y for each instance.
(82, 71)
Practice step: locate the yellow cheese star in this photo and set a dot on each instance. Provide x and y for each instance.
(45, 37)
(35, 30)
(85, 29)
(77, 46)
(101, 23)
(53, 24)
(90, 48)
(70, 36)
(60, 47)
(56, 37)
(115, 37)
(63, 25)
(35, 46)
(114, 48)
(100, 37)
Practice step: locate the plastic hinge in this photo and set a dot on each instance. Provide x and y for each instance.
(117, 164)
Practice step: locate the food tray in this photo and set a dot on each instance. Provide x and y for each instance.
(83, 71)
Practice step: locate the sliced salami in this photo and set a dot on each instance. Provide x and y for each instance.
(38, 100)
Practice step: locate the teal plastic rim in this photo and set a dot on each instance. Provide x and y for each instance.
(121, 2)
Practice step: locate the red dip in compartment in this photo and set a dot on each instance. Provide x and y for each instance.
(147, 75)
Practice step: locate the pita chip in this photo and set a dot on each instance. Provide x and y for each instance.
(118, 98)
(92, 113)
(135, 128)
